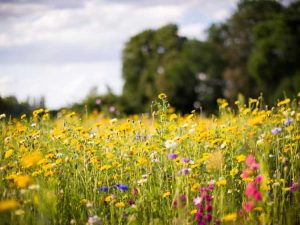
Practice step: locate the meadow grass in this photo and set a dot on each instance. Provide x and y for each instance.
(241, 167)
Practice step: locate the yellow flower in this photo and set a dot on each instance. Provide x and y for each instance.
(286, 189)
(105, 167)
(256, 120)
(22, 181)
(49, 173)
(265, 187)
(193, 212)
(108, 198)
(284, 102)
(162, 96)
(252, 100)
(110, 155)
(47, 166)
(8, 204)
(8, 153)
(31, 159)
(36, 173)
(173, 116)
(120, 204)
(222, 103)
(166, 194)
(234, 172)
(246, 111)
(240, 158)
(221, 182)
(58, 161)
(142, 161)
(230, 217)
(195, 187)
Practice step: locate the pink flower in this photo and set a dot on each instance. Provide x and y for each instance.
(197, 201)
(257, 196)
(249, 160)
(250, 189)
(244, 174)
(248, 206)
(203, 190)
(259, 179)
(254, 166)
(211, 186)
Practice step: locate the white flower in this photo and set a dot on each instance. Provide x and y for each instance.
(94, 220)
(170, 144)
(89, 204)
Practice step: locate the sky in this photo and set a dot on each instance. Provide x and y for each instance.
(60, 49)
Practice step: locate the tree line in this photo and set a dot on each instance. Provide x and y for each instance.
(255, 51)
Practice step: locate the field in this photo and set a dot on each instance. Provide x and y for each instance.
(241, 167)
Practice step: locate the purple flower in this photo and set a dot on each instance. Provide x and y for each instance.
(103, 188)
(112, 109)
(185, 160)
(131, 202)
(172, 156)
(218, 221)
(208, 208)
(182, 198)
(276, 130)
(98, 101)
(122, 187)
(174, 204)
(288, 121)
(209, 198)
(198, 216)
(294, 187)
(208, 218)
(185, 171)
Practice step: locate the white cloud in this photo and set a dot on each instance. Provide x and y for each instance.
(41, 42)
(97, 24)
(193, 31)
(221, 14)
(60, 84)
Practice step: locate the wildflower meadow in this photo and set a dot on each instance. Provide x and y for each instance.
(240, 167)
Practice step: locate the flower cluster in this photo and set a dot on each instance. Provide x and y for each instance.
(252, 189)
(204, 205)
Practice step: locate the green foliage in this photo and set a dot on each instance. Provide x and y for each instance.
(274, 63)
(12, 107)
(109, 103)
(259, 46)
(154, 61)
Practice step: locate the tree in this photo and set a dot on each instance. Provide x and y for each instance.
(235, 41)
(275, 62)
(153, 62)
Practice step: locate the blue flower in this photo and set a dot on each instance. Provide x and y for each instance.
(122, 187)
(288, 121)
(172, 156)
(276, 130)
(103, 188)
(185, 160)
